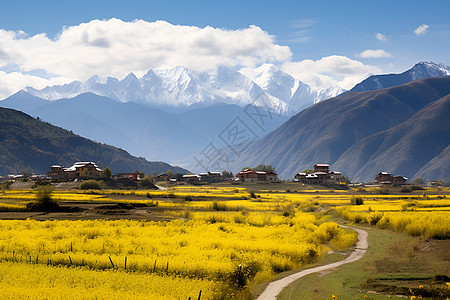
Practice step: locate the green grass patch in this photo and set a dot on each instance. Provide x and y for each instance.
(392, 265)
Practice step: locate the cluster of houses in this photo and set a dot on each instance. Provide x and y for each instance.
(388, 178)
(86, 169)
(246, 175)
(320, 175)
(210, 177)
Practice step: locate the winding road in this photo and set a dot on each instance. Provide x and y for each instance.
(274, 288)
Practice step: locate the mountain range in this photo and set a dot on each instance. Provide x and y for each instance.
(174, 115)
(180, 89)
(32, 145)
(404, 130)
(142, 130)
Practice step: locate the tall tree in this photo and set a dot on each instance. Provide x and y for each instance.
(107, 172)
(264, 168)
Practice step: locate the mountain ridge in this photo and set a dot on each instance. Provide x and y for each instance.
(324, 131)
(143, 131)
(418, 71)
(30, 144)
(179, 88)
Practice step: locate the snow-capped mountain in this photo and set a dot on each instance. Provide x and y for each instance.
(181, 88)
(429, 69)
(173, 88)
(419, 71)
(295, 93)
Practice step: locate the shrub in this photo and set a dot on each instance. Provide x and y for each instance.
(6, 185)
(219, 206)
(44, 199)
(288, 210)
(405, 190)
(358, 219)
(357, 200)
(44, 194)
(384, 191)
(416, 188)
(374, 218)
(91, 185)
(147, 182)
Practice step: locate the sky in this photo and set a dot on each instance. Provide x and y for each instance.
(325, 44)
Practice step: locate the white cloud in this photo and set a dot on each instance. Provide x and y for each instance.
(421, 30)
(374, 54)
(12, 82)
(330, 71)
(115, 48)
(381, 37)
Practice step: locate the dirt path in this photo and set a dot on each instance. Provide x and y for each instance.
(274, 288)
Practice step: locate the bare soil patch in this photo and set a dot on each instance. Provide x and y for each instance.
(92, 211)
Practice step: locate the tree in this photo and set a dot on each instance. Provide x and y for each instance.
(264, 168)
(418, 181)
(147, 181)
(227, 174)
(307, 171)
(44, 194)
(25, 173)
(345, 179)
(44, 197)
(107, 172)
(170, 173)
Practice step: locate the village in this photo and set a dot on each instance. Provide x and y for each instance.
(319, 175)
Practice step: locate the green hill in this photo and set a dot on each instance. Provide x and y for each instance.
(30, 144)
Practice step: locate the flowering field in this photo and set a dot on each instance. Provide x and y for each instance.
(220, 242)
(425, 216)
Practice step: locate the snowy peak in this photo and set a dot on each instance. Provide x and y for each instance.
(179, 88)
(429, 69)
(297, 94)
(276, 82)
(418, 71)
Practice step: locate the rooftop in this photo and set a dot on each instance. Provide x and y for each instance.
(322, 165)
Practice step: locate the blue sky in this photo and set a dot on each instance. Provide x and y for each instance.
(310, 30)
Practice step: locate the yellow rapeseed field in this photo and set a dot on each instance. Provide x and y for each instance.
(218, 234)
(206, 248)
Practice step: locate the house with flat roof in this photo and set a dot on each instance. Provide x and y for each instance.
(388, 178)
(78, 170)
(249, 175)
(320, 175)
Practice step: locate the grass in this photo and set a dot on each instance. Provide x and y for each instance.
(329, 258)
(393, 263)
